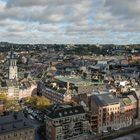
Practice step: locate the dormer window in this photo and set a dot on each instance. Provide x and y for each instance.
(60, 114)
(71, 112)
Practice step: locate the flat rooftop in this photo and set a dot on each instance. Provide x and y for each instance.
(76, 80)
(58, 111)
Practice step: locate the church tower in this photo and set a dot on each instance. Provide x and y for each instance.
(13, 74)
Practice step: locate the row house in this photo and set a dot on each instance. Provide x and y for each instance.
(126, 113)
(52, 95)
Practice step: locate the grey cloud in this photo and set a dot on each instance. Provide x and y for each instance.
(49, 28)
(124, 8)
(30, 3)
(69, 20)
(16, 28)
(120, 15)
(47, 11)
(26, 3)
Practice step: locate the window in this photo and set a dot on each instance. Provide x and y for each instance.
(15, 134)
(112, 116)
(65, 113)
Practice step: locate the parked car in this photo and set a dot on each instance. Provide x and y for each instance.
(31, 117)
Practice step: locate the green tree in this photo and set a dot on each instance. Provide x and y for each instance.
(40, 102)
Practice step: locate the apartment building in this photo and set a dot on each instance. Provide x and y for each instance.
(65, 122)
(93, 121)
(107, 107)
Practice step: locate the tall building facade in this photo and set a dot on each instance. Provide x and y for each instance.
(107, 107)
(66, 123)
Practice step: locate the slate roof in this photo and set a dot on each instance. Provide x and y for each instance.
(10, 123)
(57, 111)
(104, 99)
(132, 98)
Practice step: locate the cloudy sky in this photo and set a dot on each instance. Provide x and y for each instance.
(70, 21)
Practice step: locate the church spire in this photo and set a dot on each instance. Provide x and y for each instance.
(12, 53)
(12, 65)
